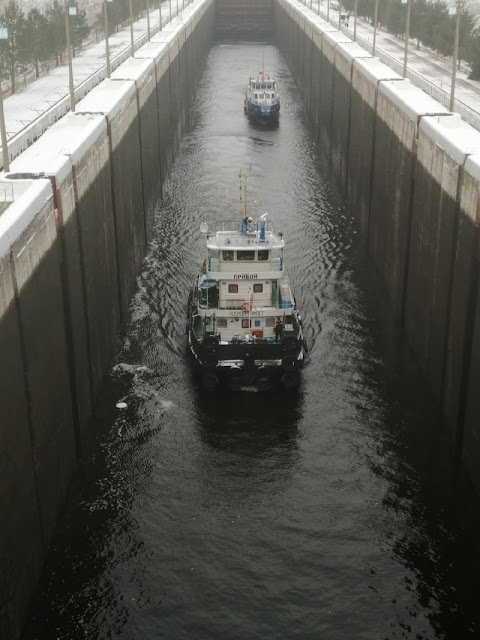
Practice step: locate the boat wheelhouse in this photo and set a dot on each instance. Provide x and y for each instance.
(261, 98)
(243, 325)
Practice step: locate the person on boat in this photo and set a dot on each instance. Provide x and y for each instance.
(278, 328)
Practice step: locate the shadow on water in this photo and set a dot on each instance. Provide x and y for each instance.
(249, 423)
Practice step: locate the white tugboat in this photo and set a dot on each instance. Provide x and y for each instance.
(261, 98)
(243, 326)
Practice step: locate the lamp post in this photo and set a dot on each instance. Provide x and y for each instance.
(148, 20)
(407, 35)
(170, 9)
(375, 18)
(160, 13)
(455, 9)
(6, 165)
(67, 11)
(339, 14)
(107, 49)
(355, 21)
(132, 49)
(328, 10)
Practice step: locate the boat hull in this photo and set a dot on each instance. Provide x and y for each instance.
(262, 112)
(261, 365)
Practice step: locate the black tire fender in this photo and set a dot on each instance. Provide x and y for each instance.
(290, 363)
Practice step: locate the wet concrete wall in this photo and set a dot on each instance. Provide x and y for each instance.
(73, 234)
(116, 100)
(141, 71)
(411, 172)
(37, 415)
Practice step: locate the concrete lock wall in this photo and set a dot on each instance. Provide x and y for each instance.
(411, 171)
(37, 421)
(79, 211)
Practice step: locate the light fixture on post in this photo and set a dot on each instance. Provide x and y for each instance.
(455, 10)
(6, 165)
(69, 11)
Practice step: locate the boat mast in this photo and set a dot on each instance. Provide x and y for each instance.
(245, 193)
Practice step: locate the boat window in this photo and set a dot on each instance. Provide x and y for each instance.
(273, 96)
(269, 85)
(233, 288)
(256, 96)
(267, 95)
(261, 96)
(263, 254)
(221, 323)
(264, 85)
(245, 323)
(269, 322)
(257, 288)
(227, 255)
(245, 255)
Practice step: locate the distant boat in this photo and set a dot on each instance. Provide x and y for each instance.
(243, 326)
(262, 101)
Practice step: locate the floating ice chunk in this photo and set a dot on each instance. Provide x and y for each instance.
(121, 405)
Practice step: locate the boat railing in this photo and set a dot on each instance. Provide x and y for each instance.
(234, 226)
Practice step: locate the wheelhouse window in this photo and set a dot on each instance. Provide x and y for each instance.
(245, 323)
(257, 288)
(263, 254)
(233, 288)
(222, 323)
(227, 255)
(245, 255)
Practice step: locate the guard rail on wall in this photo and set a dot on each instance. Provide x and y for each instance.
(34, 129)
(443, 97)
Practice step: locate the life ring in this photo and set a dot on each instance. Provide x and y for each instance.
(246, 306)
